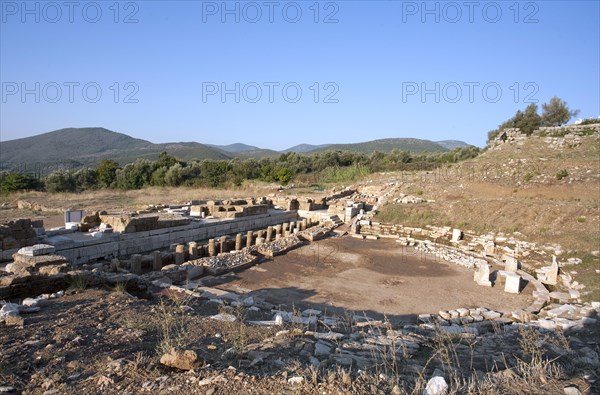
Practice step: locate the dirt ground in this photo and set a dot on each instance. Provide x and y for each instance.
(377, 277)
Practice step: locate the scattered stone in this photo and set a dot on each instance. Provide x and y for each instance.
(322, 349)
(249, 301)
(572, 390)
(436, 386)
(296, 380)
(224, 317)
(184, 360)
(14, 320)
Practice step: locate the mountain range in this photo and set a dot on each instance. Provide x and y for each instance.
(76, 147)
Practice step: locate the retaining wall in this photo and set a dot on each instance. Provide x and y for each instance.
(125, 244)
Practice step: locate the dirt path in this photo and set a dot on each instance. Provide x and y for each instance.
(377, 277)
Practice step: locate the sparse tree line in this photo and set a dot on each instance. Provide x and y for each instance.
(333, 166)
(322, 167)
(554, 113)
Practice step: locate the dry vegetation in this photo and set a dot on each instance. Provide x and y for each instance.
(496, 193)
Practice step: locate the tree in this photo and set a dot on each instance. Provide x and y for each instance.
(86, 179)
(134, 175)
(529, 120)
(174, 176)
(107, 172)
(61, 181)
(166, 160)
(11, 182)
(556, 112)
(284, 175)
(158, 177)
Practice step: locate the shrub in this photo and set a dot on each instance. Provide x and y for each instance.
(11, 182)
(562, 174)
(61, 181)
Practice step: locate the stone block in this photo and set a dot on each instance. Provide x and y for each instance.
(511, 265)
(482, 275)
(512, 283)
(37, 250)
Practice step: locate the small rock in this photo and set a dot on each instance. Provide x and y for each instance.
(296, 380)
(186, 360)
(224, 317)
(14, 320)
(249, 301)
(322, 349)
(212, 380)
(436, 386)
(9, 309)
(572, 390)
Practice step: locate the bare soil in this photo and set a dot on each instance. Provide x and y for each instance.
(374, 277)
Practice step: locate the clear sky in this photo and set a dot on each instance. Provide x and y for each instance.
(275, 74)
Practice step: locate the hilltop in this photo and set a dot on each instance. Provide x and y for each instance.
(78, 147)
(86, 146)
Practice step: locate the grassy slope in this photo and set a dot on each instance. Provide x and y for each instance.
(515, 189)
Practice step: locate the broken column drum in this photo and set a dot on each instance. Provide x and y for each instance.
(179, 254)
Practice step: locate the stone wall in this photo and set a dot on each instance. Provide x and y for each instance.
(558, 131)
(511, 135)
(132, 223)
(19, 233)
(126, 244)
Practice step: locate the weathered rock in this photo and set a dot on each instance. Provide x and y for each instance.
(37, 250)
(9, 309)
(184, 360)
(436, 386)
(224, 317)
(572, 390)
(14, 320)
(322, 349)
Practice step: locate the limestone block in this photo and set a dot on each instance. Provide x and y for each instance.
(482, 275)
(179, 254)
(513, 283)
(238, 242)
(511, 265)
(457, 235)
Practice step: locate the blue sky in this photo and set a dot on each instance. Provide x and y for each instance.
(292, 72)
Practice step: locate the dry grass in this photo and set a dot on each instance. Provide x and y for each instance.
(107, 199)
(544, 210)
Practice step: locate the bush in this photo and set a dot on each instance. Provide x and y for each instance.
(590, 121)
(562, 174)
(12, 182)
(61, 181)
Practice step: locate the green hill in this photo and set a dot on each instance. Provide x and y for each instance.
(386, 145)
(452, 144)
(235, 147)
(88, 146)
(78, 147)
